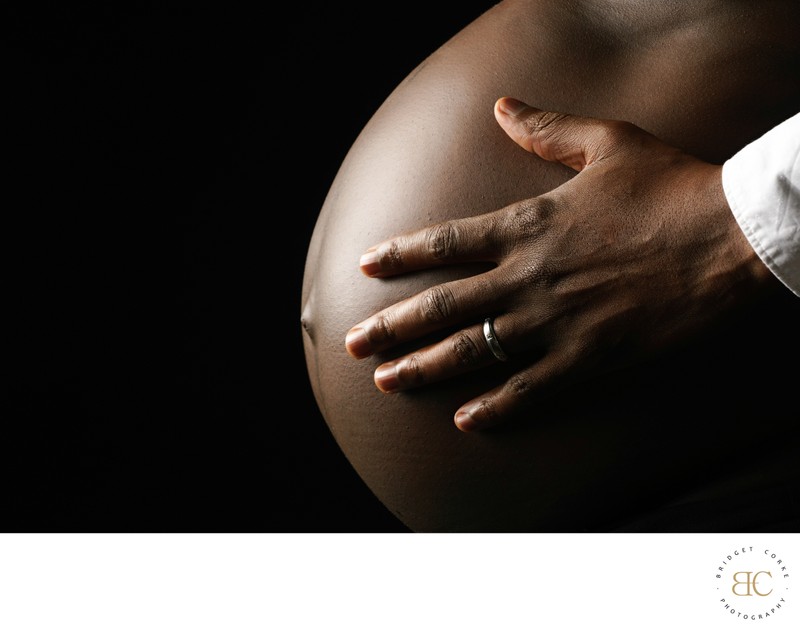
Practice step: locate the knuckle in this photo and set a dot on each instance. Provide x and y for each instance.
(466, 349)
(383, 329)
(411, 371)
(530, 217)
(392, 256)
(441, 241)
(521, 387)
(540, 123)
(487, 411)
(536, 273)
(438, 304)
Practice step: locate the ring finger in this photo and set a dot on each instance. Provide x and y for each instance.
(463, 351)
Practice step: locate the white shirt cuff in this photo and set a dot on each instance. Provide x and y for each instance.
(762, 186)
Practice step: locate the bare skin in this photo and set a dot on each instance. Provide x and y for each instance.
(637, 253)
(646, 340)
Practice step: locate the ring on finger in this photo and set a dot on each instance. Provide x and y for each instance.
(491, 340)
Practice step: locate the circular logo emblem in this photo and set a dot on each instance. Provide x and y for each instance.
(752, 583)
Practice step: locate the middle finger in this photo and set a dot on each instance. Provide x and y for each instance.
(441, 306)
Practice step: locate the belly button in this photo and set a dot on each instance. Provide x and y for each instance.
(307, 316)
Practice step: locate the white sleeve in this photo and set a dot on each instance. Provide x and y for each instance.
(762, 186)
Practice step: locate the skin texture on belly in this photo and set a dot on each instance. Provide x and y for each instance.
(613, 449)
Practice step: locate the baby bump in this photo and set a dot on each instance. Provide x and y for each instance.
(587, 459)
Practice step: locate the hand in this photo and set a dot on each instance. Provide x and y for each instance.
(635, 253)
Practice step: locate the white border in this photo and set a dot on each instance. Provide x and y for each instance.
(117, 582)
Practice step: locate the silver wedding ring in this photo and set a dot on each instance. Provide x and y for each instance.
(491, 340)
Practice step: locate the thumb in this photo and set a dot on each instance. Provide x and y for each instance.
(571, 140)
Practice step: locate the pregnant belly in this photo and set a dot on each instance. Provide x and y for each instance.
(607, 451)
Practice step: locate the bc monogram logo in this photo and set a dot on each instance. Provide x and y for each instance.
(752, 583)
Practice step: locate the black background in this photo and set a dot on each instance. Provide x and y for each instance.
(165, 167)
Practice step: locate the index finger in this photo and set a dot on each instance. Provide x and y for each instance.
(456, 241)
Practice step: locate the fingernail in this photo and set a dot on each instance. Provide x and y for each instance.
(357, 343)
(386, 378)
(369, 262)
(465, 421)
(510, 106)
